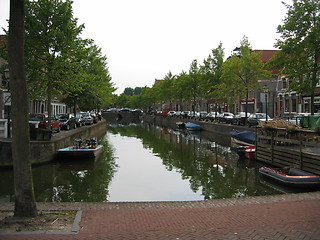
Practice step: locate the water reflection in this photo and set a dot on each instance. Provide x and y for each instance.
(144, 162)
(212, 170)
(66, 180)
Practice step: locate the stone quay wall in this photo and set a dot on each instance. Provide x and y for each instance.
(206, 125)
(44, 151)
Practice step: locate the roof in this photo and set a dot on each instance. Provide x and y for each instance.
(266, 55)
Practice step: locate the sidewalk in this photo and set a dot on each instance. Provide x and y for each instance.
(291, 216)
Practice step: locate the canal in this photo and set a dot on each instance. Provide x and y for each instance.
(144, 162)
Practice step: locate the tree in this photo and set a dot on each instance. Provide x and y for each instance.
(240, 74)
(51, 43)
(128, 91)
(180, 87)
(167, 88)
(96, 87)
(193, 86)
(211, 72)
(24, 195)
(300, 46)
(212, 69)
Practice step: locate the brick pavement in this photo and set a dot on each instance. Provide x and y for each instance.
(292, 216)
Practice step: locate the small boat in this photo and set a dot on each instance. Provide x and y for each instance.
(247, 151)
(291, 176)
(193, 127)
(243, 138)
(80, 149)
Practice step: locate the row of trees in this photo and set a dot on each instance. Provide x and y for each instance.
(230, 80)
(225, 81)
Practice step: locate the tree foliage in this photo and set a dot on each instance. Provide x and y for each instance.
(300, 46)
(241, 74)
(60, 63)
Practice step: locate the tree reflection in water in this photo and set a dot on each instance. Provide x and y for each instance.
(210, 168)
(68, 180)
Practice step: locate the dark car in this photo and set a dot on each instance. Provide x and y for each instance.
(67, 120)
(41, 120)
(255, 118)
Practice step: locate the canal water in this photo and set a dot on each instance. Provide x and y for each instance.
(144, 162)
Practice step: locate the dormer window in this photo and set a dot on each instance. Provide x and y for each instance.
(284, 83)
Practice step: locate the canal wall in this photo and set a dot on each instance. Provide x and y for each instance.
(206, 125)
(44, 151)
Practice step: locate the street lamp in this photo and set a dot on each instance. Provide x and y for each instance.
(266, 90)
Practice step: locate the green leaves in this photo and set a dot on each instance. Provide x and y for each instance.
(241, 73)
(300, 46)
(59, 62)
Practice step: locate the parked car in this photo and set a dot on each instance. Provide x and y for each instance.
(125, 110)
(192, 114)
(185, 114)
(67, 121)
(113, 110)
(255, 118)
(240, 118)
(41, 120)
(87, 118)
(211, 116)
(79, 120)
(178, 114)
(226, 117)
(171, 113)
(95, 118)
(201, 115)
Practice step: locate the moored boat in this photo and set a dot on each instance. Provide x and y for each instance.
(193, 127)
(247, 151)
(88, 148)
(243, 138)
(291, 176)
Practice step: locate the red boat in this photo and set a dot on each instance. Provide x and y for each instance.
(247, 151)
(291, 176)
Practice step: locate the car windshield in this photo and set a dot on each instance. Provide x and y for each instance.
(35, 117)
(62, 116)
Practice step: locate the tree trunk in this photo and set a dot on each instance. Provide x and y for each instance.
(24, 195)
(49, 108)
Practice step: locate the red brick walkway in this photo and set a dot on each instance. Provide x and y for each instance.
(277, 219)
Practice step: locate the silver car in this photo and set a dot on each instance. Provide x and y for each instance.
(88, 120)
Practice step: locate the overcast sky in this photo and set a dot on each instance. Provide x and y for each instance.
(145, 39)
